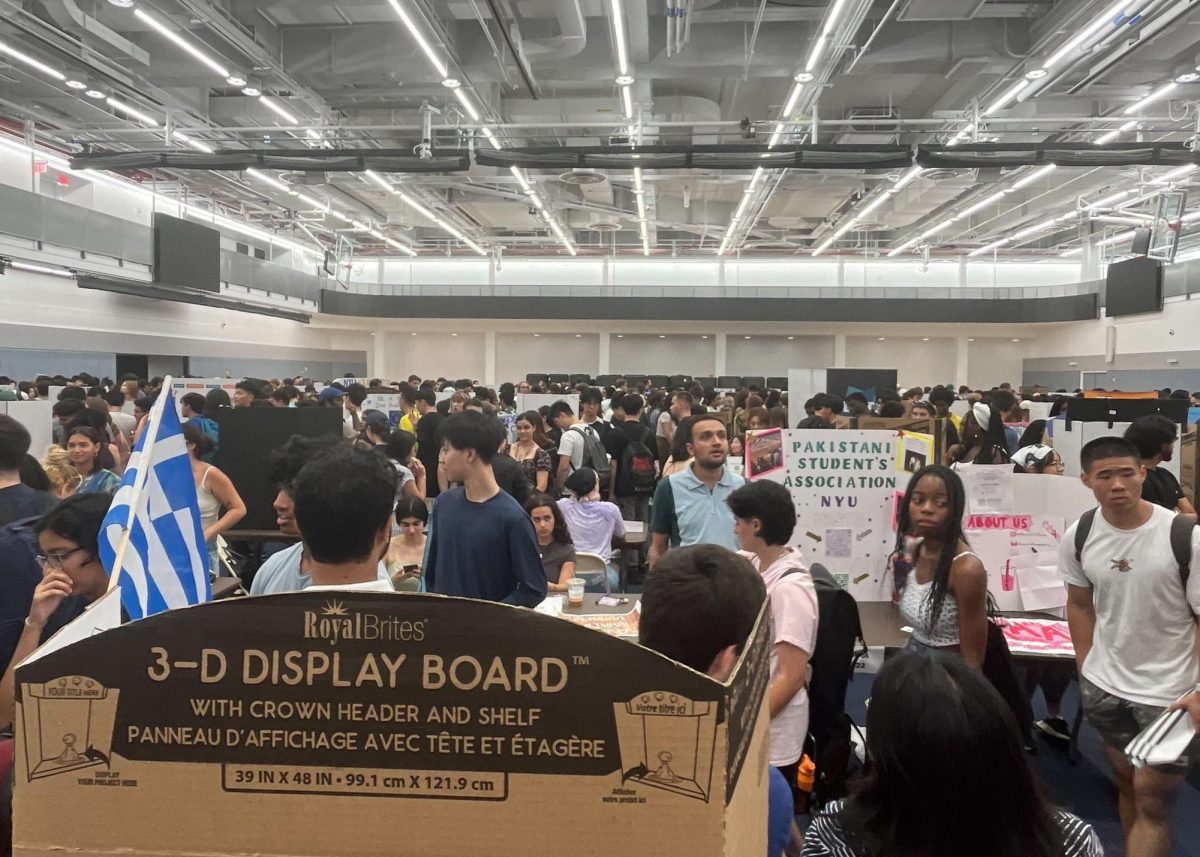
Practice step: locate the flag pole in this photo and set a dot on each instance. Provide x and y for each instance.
(152, 424)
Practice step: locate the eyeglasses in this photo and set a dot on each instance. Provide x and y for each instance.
(55, 560)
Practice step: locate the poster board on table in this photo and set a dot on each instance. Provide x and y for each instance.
(1015, 523)
(38, 418)
(1087, 420)
(844, 484)
(327, 712)
(533, 401)
(388, 403)
(182, 386)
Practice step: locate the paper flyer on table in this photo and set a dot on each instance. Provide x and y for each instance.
(1038, 582)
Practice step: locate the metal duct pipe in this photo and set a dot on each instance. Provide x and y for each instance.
(670, 24)
(570, 41)
(67, 14)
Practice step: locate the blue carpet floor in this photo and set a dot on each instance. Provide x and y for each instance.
(1086, 789)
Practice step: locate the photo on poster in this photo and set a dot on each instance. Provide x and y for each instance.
(913, 451)
(764, 453)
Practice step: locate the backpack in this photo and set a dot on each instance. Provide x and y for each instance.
(1181, 543)
(840, 646)
(594, 456)
(637, 475)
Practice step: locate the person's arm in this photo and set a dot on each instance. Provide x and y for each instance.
(1081, 619)
(564, 577)
(662, 510)
(416, 487)
(791, 671)
(55, 586)
(543, 481)
(1185, 507)
(235, 508)
(968, 586)
(564, 468)
(526, 564)
(1190, 704)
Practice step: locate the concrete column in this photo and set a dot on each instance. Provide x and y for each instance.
(378, 355)
(719, 361)
(839, 351)
(489, 358)
(605, 342)
(962, 361)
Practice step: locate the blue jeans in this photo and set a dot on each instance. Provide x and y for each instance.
(595, 582)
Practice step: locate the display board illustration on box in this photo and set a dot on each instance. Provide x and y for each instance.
(477, 715)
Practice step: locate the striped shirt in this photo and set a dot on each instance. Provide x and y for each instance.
(825, 837)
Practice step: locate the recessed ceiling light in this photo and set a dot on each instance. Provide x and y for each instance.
(251, 91)
(235, 80)
(1036, 73)
(704, 336)
(662, 336)
(452, 83)
(791, 337)
(412, 334)
(121, 4)
(94, 93)
(624, 80)
(802, 76)
(1188, 77)
(745, 337)
(924, 338)
(1016, 340)
(72, 83)
(537, 334)
(579, 336)
(454, 334)
(970, 339)
(620, 336)
(883, 339)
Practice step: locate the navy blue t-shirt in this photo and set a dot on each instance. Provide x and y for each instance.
(484, 550)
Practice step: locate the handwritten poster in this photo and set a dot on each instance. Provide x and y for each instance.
(1038, 637)
(1001, 541)
(844, 485)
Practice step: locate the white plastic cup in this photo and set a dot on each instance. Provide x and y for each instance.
(575, 587)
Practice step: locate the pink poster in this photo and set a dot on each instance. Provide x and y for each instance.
(1038, 637)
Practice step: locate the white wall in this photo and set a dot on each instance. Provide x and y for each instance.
(916, 362)
(433, 355)
(993, 361)
(518, 354)
(775, 355)
(677, 354)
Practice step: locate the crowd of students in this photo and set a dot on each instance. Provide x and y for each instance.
(466, 496)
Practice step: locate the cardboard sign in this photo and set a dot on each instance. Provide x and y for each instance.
(844, 485)
(297, 724)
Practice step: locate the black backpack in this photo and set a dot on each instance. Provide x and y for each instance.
(840, 646)
(637, 475)
(1181, 543)
(594, 456)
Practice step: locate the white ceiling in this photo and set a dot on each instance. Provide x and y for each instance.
(352, 74)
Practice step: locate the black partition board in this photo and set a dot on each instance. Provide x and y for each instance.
(248, 436)
(1124, 410)
(838, 381)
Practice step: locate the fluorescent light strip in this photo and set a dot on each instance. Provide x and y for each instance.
(1087, 32)
(1032, 230)
(910, 242)
(1003, 101)
(269, 180)
(1109, 136)
(129, 110)
(40, 269)
(180, 42)
(1102, 203)
(979, 206)
(25, 58)
(962, 135)
(378, 179)
(819, 45)
(814, 55)
(1163, 91)
(403, 248)
(1029, 179)
(645, 246)
(875, 203)
(465, 101)
(1116, 239)
(903, 181)
(442, 223)
(195, 144)
(775, 136)
(989, 248)
(619, 37)
(520, 176)
(278, 110)
(491, 138)
(936, 229)
(793, 100)
(627, 102)
(1174, 174)
(314, 203)
(1070, 253)
(415, 31)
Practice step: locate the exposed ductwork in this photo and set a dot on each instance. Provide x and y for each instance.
(68, 15)
(570, 41)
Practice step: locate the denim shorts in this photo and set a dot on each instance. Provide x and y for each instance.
(1118, 721)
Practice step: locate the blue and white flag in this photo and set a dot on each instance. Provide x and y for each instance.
(165, 564)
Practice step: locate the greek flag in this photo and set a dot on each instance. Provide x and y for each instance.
(165, 564)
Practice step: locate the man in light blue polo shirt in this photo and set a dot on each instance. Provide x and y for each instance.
(689, 506)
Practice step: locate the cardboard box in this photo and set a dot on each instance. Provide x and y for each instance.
(372, 724)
